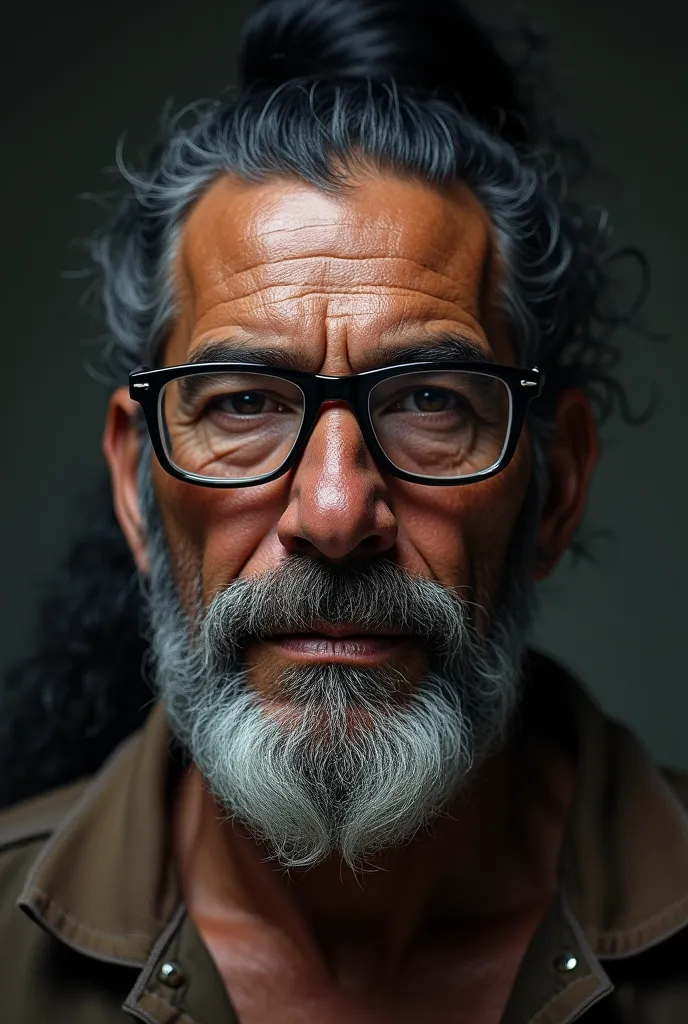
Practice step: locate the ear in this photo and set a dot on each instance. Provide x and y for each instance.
(572, 455)
(121, 446)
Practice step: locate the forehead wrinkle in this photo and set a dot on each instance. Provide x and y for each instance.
(318, 287)
(452, 274)
(269, 300)
(391, 230)
(353, 274)
(314, 332)
(461, 261)
(435, 224)
(328, 260)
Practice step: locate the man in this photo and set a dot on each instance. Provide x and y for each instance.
(360, 444)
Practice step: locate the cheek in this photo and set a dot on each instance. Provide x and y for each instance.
(490, 521)
(219, 534)
(460, 535)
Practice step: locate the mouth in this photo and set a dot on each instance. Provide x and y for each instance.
(338, 644)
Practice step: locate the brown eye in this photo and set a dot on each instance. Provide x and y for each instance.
(432, 400)
(246, 403)
(249, 402)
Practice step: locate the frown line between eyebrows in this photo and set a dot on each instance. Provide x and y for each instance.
(448, 346)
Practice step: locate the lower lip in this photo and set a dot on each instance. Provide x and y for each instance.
(359, 649)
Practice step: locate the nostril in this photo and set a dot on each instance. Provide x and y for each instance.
(369, 545)
(301, 546)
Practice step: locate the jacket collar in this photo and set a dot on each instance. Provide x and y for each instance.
(624, 864)
(105, 883)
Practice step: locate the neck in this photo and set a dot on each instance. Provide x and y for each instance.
(491, 858)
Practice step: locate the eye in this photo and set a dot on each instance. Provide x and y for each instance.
(430, 400)
(247, 403)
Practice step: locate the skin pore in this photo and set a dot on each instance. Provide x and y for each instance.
(338, 283)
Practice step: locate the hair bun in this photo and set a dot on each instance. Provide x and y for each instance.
(429, 44)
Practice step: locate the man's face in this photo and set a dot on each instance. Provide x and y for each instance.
(342, 735)
(340, 282)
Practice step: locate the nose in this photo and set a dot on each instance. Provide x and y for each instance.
(338, 507)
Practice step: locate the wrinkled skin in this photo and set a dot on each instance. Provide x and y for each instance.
(341, 282)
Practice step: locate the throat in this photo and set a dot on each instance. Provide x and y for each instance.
(469, 888)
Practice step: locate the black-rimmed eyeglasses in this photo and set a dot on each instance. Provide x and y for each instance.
(237, 424)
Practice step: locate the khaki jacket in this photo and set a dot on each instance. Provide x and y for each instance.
(93, 930)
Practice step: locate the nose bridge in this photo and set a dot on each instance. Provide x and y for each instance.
(338, 506)
(337, 393)
(336, 444)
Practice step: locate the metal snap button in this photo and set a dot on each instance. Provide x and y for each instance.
(566, 962)
(170, 973)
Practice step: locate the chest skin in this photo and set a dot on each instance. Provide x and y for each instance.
(446, 977)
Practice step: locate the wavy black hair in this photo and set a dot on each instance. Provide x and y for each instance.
(328, 87)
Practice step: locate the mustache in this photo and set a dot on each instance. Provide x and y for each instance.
(303, 593)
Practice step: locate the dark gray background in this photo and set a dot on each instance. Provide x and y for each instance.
(80, 75)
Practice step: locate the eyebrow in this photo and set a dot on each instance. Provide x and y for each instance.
(230, 352)
(450, 345)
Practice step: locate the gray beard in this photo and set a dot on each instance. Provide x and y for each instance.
(347, 761)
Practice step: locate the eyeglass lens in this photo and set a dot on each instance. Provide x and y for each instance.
(241, 426)
(452, 423)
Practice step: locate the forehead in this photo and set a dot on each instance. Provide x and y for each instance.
(285, 258)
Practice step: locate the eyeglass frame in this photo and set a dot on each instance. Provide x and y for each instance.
(146, 385)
